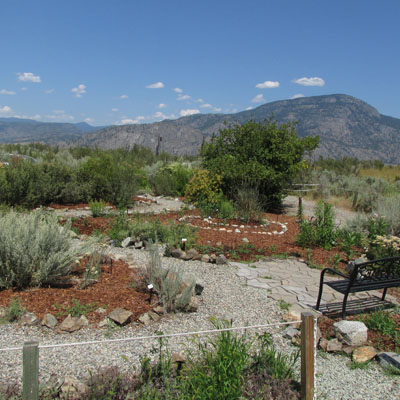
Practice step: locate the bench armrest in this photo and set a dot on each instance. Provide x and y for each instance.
(334, 271)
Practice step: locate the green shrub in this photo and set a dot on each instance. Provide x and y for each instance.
(319, 230)
(97, 208)
(171, 180)
(264, 155)
(226, 210)
(34, 249)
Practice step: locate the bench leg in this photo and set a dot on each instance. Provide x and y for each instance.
(344, 305)
(384, 294)
(319, 296)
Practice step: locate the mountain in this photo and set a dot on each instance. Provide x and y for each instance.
(17, 130)
(346, 126)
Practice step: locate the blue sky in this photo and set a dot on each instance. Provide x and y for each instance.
(120, 61)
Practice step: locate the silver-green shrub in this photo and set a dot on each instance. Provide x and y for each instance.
(168, 283)
(389, 207)
(34, 249)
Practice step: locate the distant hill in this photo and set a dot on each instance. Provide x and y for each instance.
(347, 127)
(17, 130)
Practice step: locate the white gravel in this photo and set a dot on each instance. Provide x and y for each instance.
(225, 296)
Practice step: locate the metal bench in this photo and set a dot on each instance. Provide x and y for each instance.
(383, 273)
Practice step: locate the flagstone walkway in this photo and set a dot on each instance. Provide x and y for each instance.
(294, 282)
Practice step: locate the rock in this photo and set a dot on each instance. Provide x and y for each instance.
(3, 312)
(83, 321)
(353, 333)
(364, 354)
(296, 340)
(50, 321)
(159, 310)
(138, 245)
(120, 316)
(177, 253)
(218, 244)
(145, 319)
(73, 388)
(213, 258)
(126, 242)
(334, 345)
(237, 230)
(245, 240)
(29, 319)
(154, 316)
(189, 279)
(389, 359)
(193, 254)
(199, 287)
(205, 258)
(290, 332)
(177, 361)
(193, 304)
(100, 310)
(347, 349)
(293, 315)
(70, 324)
(103, 322)
(323, 344)
(221, 260)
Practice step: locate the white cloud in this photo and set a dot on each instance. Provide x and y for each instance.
(123, 96)
(185, 113)
(49, 91)
(310, 81)
(206, 105)
(128, 121)
(178, 90)
(200, 100)
(89, 120)
(79, 90)
(5, 109)
(217, 109)
(162, 105)
(35, 117)
(297, 96)
(249, 108)
(267, 85)
(28, 77)
(114, 109)
(156, 85)
(24, 88)
(9, 92)
(59, 116)
(183, 97)
(258, 99)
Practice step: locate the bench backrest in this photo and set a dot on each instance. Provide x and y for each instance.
(380, 269)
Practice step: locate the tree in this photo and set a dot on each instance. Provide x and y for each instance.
(265, 156)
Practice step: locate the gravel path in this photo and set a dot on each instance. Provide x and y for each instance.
(225, 296)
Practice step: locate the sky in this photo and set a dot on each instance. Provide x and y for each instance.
(131, 61)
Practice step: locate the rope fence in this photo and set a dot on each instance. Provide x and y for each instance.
(30, 353)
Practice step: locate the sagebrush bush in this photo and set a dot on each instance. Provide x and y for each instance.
(171, 180)
(389, 208)
(34, 249)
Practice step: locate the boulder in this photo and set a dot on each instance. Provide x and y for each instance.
(159, 310)
(70, 324)
(334, 345)
(364, 354)
(389, 359)
(221, 259)
(213, 258)
(154, 316)
(205, 258)
(177, 253)
(138, 244)
(193, 304)
(127, 242)
(29, 319)
(49, 320)
(120, 316)
(145, 319)
(73, 388)
(353, 333)
(290, 332)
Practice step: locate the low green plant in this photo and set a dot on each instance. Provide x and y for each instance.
(92, 270)
(14, 311)
(34, 250)
(359, 365)
(97, 208)
(226, 210)
(284, 305)
(76, 309)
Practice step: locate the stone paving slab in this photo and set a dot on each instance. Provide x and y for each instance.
(294, 282)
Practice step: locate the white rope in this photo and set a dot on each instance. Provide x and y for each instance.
(168, 335)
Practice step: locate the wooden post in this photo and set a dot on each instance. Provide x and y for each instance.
(30, 380)
(307, 355)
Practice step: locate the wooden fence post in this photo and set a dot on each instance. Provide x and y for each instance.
(307, 355)
(30, 380)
